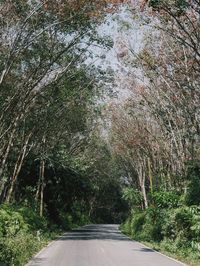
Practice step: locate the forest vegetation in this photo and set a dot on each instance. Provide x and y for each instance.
(70, 155)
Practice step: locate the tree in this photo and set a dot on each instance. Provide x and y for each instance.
(43, 44)
(155, 131)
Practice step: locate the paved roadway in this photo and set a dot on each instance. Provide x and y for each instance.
(99, 245)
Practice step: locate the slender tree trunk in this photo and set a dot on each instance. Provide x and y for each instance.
(10, 141)
(150, 175)
(39, 196)
(142, 180)
(91, 207)
(42, 188)
(38, 190)
(17, 169)
(4, 184)
(4, 159)
(143, 188)
(169, 179)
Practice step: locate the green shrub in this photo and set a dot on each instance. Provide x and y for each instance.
(133, 197)
(126, 227)
(173, 230)
(154, 3)
(165, 199)
(183, 220)
(153, 226)
(83, 219)
(145, 225)
(168, 245)
(177, 225)
(137, 222)
(14, 251)
(19, 238)
(186, 253)
(193, 175)
(11, 222)
(195, 228)
(66, 221)
(168, 226)
(179, 4)
(32, 218)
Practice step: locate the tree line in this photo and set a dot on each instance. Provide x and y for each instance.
(155, 132)
(46, 104)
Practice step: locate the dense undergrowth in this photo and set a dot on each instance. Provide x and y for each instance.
(169, 226)
(23, 233)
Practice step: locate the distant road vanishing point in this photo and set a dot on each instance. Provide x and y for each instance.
(99, 245)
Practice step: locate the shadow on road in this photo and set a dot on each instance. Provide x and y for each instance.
(96, 232)
(144, 250)
(89, 232)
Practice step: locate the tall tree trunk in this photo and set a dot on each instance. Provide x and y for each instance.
(150, 175)
(4, 159)
(10, 141)
(42, 188)
(39, 195)
(17, 168)
(142, 179)
(143, 189)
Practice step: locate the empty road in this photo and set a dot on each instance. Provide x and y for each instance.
(99, 245)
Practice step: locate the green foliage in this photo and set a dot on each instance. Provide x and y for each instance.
(14, 219)
(195, 228)
(179, 4)
(154, 3)
(153, 224)
(69, 221)
(193, 175)
(137, 222)
(184, 253)
(183, 220)
(180, 224)
(66, 220)
(174, 230)
(31, 217)
(145, 225)
(182, 4)
(14, 251)
(22, 233)
(132, 196)
(11, 222)
(80, 214)
(126, 226)
(177, 225)
(165, 199)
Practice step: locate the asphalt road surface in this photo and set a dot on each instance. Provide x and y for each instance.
(99, 245)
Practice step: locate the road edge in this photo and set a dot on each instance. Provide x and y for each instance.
(171, 258)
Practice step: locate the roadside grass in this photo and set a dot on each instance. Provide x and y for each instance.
(174, 232)
(185, 255)
(188, 256)
(23, 233)
(17, 250)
